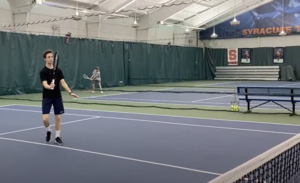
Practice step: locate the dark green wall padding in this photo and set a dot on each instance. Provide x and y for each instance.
(121, 63)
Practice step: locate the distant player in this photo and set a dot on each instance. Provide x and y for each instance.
(96, 78)
(52, 97)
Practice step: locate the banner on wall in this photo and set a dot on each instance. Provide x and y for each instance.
(232, 56)
(265, 20)
(278, 56)
(245, 55)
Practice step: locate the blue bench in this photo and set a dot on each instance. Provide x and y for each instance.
(269, 94)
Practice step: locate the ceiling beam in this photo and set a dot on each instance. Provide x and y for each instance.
(161, 14)
(221, 10)
(18, 6)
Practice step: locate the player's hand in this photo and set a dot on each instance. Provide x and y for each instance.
(52, 86)
(74, 95)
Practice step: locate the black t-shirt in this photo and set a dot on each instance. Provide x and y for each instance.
(46, 74)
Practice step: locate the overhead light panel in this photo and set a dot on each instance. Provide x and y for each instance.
(214, 35)
(135, 24)
(282, 33)
(234, 22)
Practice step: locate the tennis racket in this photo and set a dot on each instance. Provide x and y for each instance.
(85, 76)
(55, 64)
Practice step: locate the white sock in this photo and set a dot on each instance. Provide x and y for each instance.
(57, 133)
(48, 128)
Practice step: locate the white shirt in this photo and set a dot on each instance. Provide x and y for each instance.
(96, 75)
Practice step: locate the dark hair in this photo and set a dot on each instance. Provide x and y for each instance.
(47, 52)
(97, 67)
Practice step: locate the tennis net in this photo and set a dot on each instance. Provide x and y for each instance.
(280, 164)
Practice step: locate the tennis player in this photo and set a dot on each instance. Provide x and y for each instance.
(96, 78)
(52, 96)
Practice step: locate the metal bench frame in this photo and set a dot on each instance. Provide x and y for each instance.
(269, 97)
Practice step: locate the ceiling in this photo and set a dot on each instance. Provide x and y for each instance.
(195, 13)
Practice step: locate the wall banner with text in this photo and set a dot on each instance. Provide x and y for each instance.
(232, 56)
(265, 20)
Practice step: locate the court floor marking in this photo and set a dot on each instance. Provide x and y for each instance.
(9, 105)
(68, 114)
(34, 128)
(125, 93)
(151, 100)
(219, 83)
(212, 98)
(167, 123)
(289, 84)
(166, 115)
(110, 155)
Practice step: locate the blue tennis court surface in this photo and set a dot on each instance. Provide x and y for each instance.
(222, 99)
(102, 146)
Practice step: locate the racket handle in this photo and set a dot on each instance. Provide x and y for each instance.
(52, 83)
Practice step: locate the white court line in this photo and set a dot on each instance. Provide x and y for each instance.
(298, 83)
(70, 122)
(126, 93)
(219, 83)
(211, 98)
(151, 100)
(180, 124)
(110, 155)
(166, 115)
(7, 105)
(69, 114)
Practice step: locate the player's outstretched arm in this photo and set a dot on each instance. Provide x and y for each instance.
(66, 87)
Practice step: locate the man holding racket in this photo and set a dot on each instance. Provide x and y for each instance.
(96, 78)
(52, 95)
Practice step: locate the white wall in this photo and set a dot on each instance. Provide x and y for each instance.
(117, 29)
(291, 40)
(161, 34)
(6, 16)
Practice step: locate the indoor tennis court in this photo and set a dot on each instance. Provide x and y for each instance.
(129, 146)
(149, 91)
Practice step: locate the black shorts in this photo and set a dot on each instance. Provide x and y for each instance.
(96, 81)
(57, 103)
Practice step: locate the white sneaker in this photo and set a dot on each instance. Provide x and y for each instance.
(92, 91)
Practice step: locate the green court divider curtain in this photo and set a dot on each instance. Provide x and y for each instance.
(120, 63)
(21, 61)
(212, 59)
(199, 64)
(151, 64)
(292, 58)
(6, 64)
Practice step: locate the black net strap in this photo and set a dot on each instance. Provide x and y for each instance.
(280, 164)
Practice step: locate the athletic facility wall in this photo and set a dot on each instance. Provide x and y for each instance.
(121, 63)
(259, 57)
